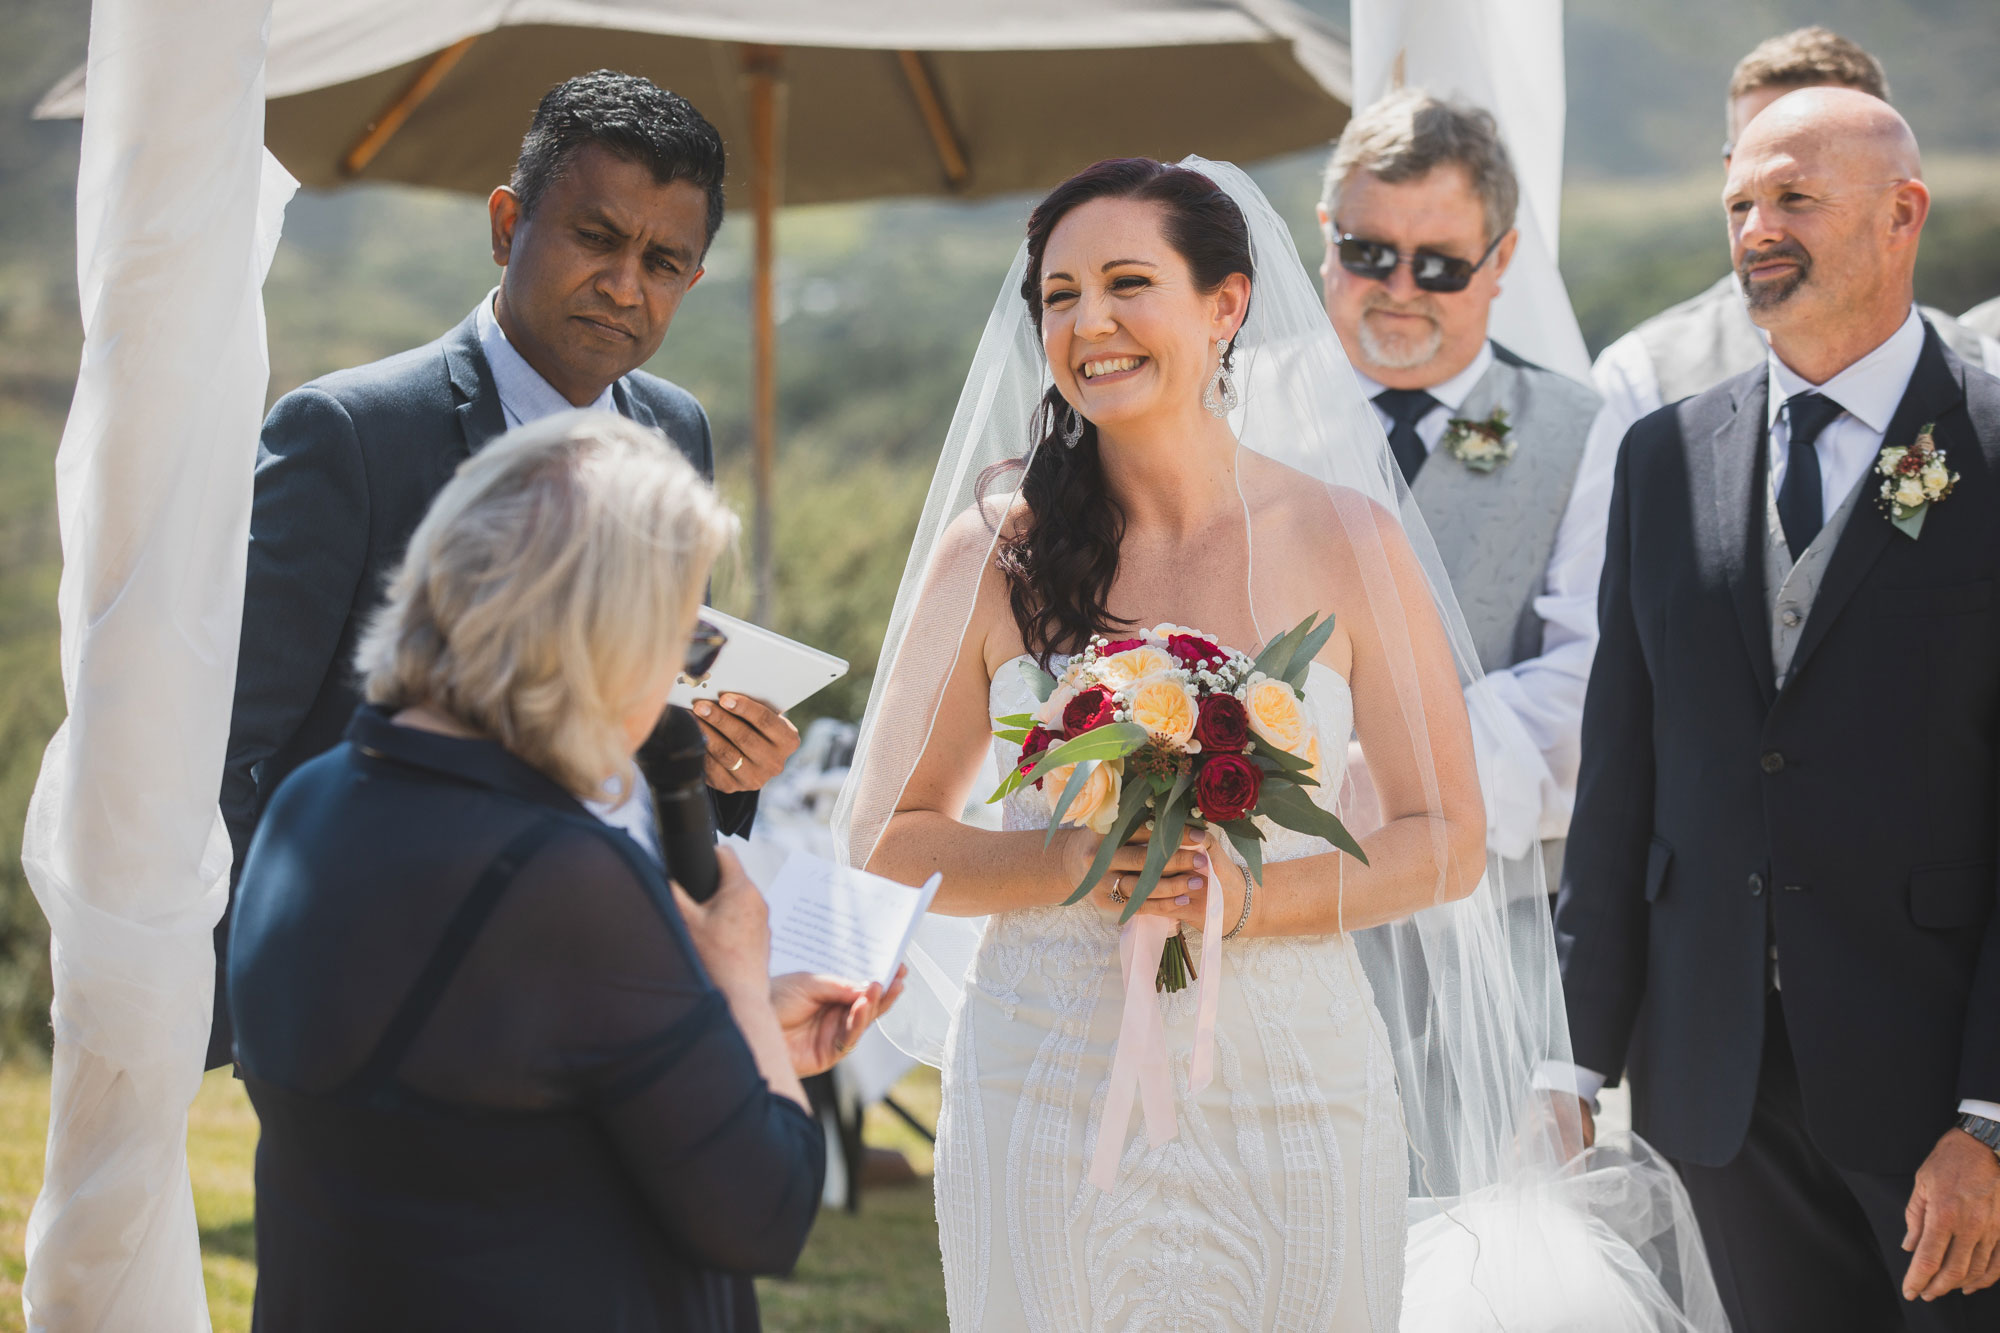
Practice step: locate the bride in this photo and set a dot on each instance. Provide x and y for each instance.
(1160, 430)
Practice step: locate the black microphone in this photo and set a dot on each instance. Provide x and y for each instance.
(672, 760)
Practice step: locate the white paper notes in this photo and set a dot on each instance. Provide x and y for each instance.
(842, 922)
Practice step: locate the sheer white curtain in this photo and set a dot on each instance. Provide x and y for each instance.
(1505, 56)
(178, 209)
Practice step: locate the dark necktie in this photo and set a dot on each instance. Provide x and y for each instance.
(1406, 407)
(1800, 510)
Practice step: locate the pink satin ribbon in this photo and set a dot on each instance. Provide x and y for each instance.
(1139, 1069)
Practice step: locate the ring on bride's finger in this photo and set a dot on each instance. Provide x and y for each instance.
(1118, 895)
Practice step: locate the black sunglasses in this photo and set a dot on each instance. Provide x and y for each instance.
(1432, 272)
(703, 648)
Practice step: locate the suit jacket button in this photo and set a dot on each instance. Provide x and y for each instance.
(1790, 617)
(1795, 888)
(1756, 886)
(1774, 762)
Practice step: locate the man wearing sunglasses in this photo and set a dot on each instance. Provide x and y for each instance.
(1706, 339)
(1418, 215)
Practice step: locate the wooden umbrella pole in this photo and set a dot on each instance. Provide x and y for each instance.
(762, 70)
(383, 128)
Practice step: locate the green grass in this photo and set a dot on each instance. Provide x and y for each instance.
(877, 1272)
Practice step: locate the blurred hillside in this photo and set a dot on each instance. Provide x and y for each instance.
(881, 307)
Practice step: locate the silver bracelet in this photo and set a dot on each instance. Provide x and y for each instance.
(1249, 891)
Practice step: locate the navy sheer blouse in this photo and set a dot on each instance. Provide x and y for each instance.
(497, 1089)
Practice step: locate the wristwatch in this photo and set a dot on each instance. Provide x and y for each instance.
(1986, 1131)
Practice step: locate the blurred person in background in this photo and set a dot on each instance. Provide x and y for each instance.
(602, 231)
(1708, 338)
(1418, 215)
(509, 1078)
(1778, 912)
(1984, 319)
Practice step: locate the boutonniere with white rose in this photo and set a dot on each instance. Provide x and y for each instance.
(1480, 445)
(1913, 479)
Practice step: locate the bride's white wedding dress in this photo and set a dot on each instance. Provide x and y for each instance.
(1280, 1205)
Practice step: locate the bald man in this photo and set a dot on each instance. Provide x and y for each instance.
(1699, 342)
(1778, 907)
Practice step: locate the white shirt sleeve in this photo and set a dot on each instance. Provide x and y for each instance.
(1984, 1110)
(1561, 1076)
(1527, 720)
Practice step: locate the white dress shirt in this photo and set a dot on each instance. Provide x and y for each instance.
(1869, 391)
(1529, 746)
(524, 397)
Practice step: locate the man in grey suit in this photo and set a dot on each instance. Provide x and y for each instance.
(1708, 338)
(1418, 214)
(600, 233)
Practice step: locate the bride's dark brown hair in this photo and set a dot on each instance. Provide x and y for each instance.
(1062, 559)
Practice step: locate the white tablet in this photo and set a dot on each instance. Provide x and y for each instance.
(761, 665)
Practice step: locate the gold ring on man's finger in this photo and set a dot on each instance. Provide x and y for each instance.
(738, 764)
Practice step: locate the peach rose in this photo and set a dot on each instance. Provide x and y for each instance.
(1166, 708)
(1277, 717)
(1123, 670)
(1096, 803)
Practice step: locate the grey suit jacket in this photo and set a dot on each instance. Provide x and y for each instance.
(346, 468)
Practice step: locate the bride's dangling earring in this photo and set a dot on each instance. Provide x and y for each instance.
(1220, 397)
(1072, 429)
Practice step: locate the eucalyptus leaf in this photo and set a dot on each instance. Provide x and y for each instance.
(1285, 762)
(1308, 648)
(1168, 820)
(1113, 741)
(1039, 681)
(1130, 807)
(1291, 807)
(1249, 846)
(1015, 721)
(1911, 524)
(1277, 654)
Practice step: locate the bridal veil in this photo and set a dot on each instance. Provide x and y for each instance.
(1507, 1231)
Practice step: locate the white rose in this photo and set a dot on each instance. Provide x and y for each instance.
(1911, 493)
(1936, 478)
(1889, 460)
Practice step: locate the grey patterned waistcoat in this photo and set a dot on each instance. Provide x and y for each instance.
(1495, 531)
(1706, 339)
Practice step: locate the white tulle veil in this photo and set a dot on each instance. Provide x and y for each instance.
(1505, 1233)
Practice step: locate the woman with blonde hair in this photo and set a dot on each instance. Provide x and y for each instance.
(509, 1077)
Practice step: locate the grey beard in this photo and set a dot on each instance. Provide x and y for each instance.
(1412, 355)
(1769, 295)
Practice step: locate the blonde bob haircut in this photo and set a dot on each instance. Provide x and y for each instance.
(553, 582)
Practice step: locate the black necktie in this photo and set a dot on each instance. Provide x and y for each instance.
(1800, 511)
(1406, 407)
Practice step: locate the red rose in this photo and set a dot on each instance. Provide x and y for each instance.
(1122, 646)
(1224, 724)
(1226, 787)
(1092, 708)
(1194, 652)
(1039, 739)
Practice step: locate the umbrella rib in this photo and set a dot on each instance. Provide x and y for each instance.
(384, 126)
(950, 155)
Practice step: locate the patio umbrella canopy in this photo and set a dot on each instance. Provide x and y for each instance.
(819, 102)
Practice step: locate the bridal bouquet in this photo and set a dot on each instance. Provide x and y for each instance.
(1171, 730)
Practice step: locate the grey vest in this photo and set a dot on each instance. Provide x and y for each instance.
(1495, 531)
(1705, 340)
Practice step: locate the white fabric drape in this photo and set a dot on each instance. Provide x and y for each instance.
(1505, 56)
(178, 210)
